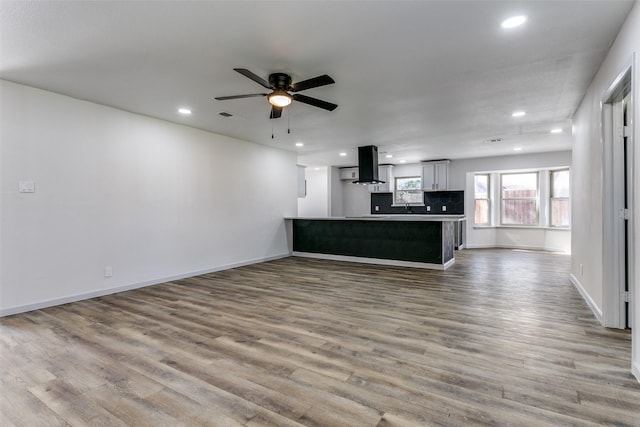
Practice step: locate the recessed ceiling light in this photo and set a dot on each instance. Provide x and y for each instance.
(514, 21)
(402, 161)
(517, 148)
(299, 144)
(556, 130)
(518, 114)
(184, 111)
(343, 154)
(388, 156)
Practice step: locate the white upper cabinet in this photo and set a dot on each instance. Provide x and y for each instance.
(435, 175)
(349, 173)
(385, 173)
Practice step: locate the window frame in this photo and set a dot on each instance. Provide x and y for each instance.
(418, 190)
(487, 199)
(536, 199)
(553, 198)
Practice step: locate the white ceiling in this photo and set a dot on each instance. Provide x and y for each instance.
(419, 79)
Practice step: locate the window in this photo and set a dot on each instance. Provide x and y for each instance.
(408, 190)
(559, 215)
(519, 198)
(527, 198)
(481, 194)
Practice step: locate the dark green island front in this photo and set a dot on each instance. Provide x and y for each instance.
(402, 240)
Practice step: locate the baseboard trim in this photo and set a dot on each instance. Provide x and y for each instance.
(635, 370)
(102, 292)
(533, 248)
(524, 248)
(592, 305)
(379, 261)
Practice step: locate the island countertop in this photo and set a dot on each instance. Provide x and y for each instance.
(424, 241)
(392, 217)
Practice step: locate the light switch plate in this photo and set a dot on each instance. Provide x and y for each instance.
(26, 187)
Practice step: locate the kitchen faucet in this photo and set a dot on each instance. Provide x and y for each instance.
(407, 207)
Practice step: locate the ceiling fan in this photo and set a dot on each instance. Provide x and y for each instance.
(281, 85)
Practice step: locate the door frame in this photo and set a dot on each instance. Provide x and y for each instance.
(613, 313)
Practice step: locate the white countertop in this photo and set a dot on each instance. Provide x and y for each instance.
(396, 217)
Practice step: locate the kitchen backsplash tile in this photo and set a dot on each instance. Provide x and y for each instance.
(453, 200)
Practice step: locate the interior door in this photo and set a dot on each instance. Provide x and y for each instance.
(626, 179)
(618, 243)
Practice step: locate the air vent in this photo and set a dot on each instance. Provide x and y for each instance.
(225, 114)
(492, 141)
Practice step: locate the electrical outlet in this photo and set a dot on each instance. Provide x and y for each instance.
(428, 208)
(108, 271)
(444, 209)
(377, 208)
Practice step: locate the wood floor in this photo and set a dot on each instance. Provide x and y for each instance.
(501, 338)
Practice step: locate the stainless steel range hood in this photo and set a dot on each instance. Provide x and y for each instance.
(368, 165)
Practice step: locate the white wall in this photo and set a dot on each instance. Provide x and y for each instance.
(407, 170)
(336, 207)
(587, 170)
(316, 203)
(356, 199)
(152, 199)
(459, 168)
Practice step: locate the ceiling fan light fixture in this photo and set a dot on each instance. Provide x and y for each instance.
(279, 98)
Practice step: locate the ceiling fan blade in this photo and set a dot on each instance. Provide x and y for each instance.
(314, 82)
(315, 102)
(250, 95)
(276, 112)
(253, 77)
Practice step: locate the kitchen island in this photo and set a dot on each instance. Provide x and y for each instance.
(423, 241)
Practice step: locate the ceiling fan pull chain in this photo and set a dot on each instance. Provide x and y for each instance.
(288, 120)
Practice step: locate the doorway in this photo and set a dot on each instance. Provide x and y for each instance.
(617, 199)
